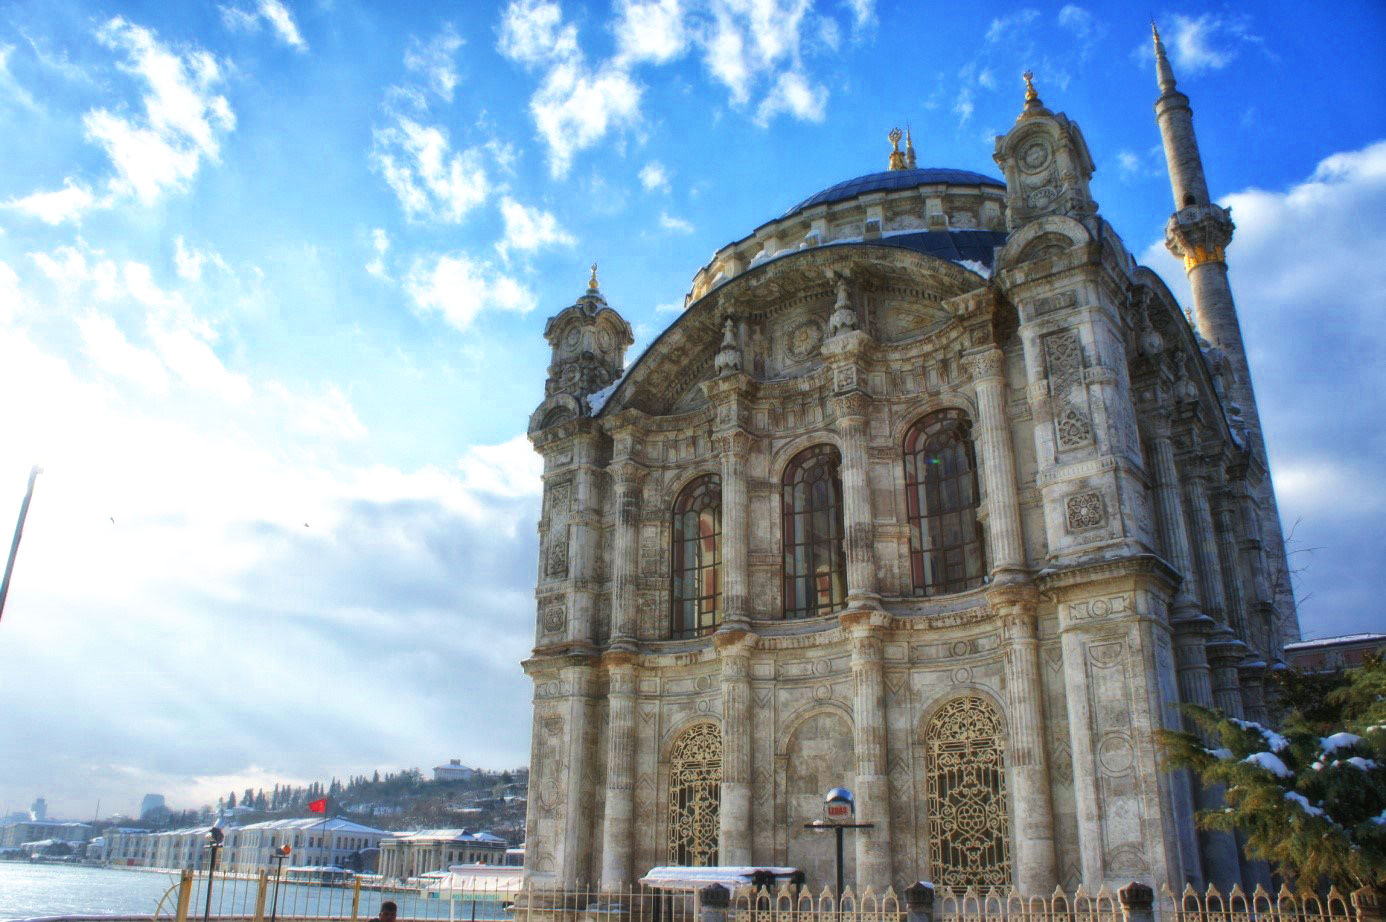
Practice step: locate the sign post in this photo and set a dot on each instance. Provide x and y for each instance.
(839, 810)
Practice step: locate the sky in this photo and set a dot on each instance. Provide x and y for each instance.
(274, 274)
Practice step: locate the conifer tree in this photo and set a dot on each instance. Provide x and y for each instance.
(1311, 798)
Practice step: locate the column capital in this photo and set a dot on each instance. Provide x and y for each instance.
(734, 442)
(852, 408)
(1199, 234)
(986, 365)
(627, 473)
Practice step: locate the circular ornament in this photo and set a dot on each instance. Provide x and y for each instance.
(604, 340)
(572, 338)
(1034, 156)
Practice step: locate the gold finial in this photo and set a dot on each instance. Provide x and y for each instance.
(910, 162)
(1155, 30)
(897, 158)
(1030, 93)
(592, 282)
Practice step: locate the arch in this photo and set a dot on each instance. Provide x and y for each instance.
(814, 554)
(695, 785)
(965, 794)
(695, 553)
(1059, 229)
(819, 754)
(947, 545)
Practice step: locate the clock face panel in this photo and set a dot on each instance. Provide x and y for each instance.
(1034, 156)
(604, 341)
(572, 339)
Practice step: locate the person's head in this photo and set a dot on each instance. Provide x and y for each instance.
(388, 910)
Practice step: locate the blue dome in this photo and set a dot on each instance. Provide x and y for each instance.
(894, 179)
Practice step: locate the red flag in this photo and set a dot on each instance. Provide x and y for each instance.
(318, 806)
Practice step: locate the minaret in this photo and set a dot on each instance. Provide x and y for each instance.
(1198, 233)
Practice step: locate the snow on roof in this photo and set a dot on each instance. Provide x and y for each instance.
(336, 824)
(1343, 639)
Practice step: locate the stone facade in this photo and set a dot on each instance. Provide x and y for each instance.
(1117, 551)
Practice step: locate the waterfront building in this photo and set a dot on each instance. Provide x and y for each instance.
(409, 854)
(125, 847)
(932, 491)
(1334, 654)
(13, 835)
(315, 842)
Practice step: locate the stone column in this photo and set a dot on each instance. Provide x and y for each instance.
(872, 783)
(1253, 682)
(625, 549)
(1005, 539)
(734, 839)
(1218, 850)
(735, 447)
(1203, 542)
(576, 848)
(1226, 521)
(1035, 861)
(617, 832)
(852, 410)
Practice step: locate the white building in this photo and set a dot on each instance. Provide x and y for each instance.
(409, 854)
(453, 771)
(314, 842)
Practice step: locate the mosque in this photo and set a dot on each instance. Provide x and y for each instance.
(931, 492)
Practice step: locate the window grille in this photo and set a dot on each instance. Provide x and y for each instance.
(815, 566)
(696, 580)
(946, 544)
(695, 784)
(969, 822)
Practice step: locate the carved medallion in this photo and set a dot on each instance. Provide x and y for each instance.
(804, 338)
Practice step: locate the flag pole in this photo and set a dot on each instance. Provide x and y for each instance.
(18, 533)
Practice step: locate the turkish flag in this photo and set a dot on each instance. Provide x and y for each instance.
(318, 806)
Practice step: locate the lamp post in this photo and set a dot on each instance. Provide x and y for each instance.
(18, 533)
(213, 847)
(839, 808)
(279, 856)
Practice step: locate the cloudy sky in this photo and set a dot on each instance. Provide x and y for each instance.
(273, 275)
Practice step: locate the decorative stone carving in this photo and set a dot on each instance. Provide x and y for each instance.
(844, 318)
(1073, 428)
(554, 616)
(804, 338)
(729, 355)
(1085, 510)
(556, 557)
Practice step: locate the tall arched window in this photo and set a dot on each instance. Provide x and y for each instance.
(815, 567)
(695, 786)
(946, 549)
(696, 584)
(969, 821)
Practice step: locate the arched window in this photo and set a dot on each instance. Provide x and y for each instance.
(696, 576)
(969, 822)
(946, 550)
(815, 569)
(695, 785)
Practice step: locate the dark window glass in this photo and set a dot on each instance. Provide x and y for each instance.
(815, 565)
(696, 583)
(946, 549)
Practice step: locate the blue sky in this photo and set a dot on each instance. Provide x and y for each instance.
(273, 276)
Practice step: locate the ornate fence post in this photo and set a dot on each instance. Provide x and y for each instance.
(1366, 905)
(356, 899)
(1137, 903)
(919, 902)
(185, 889)
(262, 884)
(713, 903)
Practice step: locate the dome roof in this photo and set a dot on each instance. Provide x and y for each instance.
(894, 179)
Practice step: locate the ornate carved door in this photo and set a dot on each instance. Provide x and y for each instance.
(695, 786)
(969, 819)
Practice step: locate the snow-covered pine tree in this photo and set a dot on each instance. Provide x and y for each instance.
(1311, 797)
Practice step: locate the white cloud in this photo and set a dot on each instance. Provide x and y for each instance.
(1208, 42)
(66, 204)
(987, 79)
(863, 12)
(106, 347)
(511, 469)
(574, 109)
(380, 243)
(529, 229)
(1129, 161)
(1316, 333)
(673, 307)
(793, 93)
(183, 115)
(651, 30)
(1003, 27)
(429, 179)
(963, 106)
(677, 225)
(532, 32)
(1076, 20)
(189, 260)
(13, 90)
(654, 177)
(433, 60)
(273, 12)
(459, 288)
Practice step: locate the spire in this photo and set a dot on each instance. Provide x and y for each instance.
(1033, 105)
(909, 149)
(1163, 72)
(592, 282)
(897, 157)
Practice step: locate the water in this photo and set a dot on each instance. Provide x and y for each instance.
(29, 890)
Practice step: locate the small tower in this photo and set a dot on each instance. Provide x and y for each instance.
(1046, 164)
(589, 341)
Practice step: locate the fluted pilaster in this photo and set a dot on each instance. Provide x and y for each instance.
(735, 447)
(617, 831)
(625, 548)
(872, 784)
(734, 840)
(1035, 861)
(856, 501)
(1007, 542)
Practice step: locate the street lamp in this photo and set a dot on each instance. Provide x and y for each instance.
(279, 856)
(213, 847)
(839, 808)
